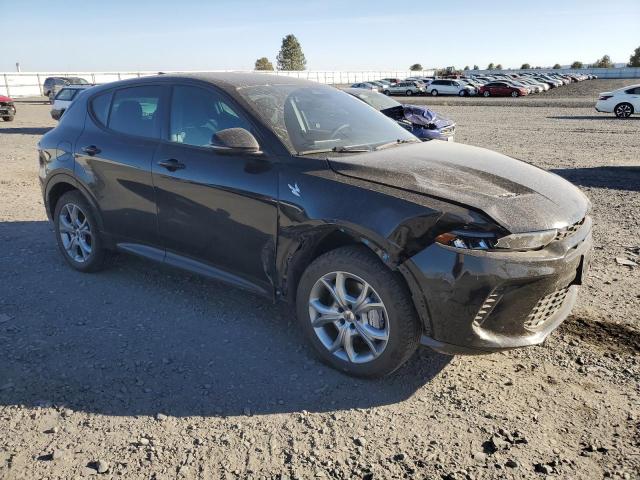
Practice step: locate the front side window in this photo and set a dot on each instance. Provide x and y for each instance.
(310, 118)
(135, 111)
(197, 114)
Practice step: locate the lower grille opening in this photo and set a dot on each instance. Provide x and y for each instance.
(546, 307)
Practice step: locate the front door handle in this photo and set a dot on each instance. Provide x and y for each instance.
(91, 150)
(172, 164)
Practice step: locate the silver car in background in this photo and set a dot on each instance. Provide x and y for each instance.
(406, 87)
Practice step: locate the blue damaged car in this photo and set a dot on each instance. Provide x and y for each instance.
(418, 119)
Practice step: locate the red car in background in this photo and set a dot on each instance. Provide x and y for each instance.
(501, 89)
(7, 109)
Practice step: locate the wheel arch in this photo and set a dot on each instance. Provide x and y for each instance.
(62, 183)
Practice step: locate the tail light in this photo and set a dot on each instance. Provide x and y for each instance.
(604, 97)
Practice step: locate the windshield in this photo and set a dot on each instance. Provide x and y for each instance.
(309, 118)
(377, 100)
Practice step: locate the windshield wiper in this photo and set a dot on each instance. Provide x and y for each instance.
(343, 149)
(394, 143)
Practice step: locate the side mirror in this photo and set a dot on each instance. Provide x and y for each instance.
(235, 141)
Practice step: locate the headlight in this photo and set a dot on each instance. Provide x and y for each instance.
(487, 241)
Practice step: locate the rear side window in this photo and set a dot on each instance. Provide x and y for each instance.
(134, 111)
(633, 91)
(100, 107)
(67, 94)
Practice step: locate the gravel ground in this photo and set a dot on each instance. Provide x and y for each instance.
(143, 372)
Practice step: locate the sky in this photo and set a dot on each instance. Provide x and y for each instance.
(132, 35)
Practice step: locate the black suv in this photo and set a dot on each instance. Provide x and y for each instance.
(301, 192)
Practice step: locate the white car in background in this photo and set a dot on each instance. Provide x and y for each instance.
(450, 87)
(64, 98)
(623, 102)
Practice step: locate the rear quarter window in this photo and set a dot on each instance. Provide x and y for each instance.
(100, 107)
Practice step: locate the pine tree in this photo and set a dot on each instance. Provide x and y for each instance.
(290, 56)
(634, 60)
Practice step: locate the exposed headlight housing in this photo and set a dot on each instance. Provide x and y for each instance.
(470, 240)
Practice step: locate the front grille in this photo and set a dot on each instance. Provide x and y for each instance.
(545, 308)
(568, 231)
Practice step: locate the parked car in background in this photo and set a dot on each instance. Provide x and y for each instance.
(366, 86)
(64, 98)
(450, 87)
(418, 119)
(501, 89)
(52, 85)
(392, 81)
(7, 108)
(296, 191)
(406, 87)
(623, 102)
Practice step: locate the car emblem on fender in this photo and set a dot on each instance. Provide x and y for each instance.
(294, 189)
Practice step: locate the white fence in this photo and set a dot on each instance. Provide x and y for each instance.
(29, 84)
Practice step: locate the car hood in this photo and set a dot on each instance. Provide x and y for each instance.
(421, 115)
(518, 196)
(5, 99)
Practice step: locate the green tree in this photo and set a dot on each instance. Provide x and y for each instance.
(499, 66)
(525, 66)
(634, 60)
(263, 63)
(557, 66)
(476, 67)
(416, 67)
(577, 64)
(491, 66)
(290, 56)
(467, 67)
(604, 62)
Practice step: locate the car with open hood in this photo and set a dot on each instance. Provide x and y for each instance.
(300, 192)
(423, 122)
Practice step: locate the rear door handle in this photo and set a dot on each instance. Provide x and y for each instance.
(91, 150)
(172, 164)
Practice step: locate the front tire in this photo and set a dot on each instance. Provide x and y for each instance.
(8, 118)
(77, 233)
(387, 93)
(515, 94)
(462, 93)
(357, 314)
(623, 110)
(487, 93)
(408, 93)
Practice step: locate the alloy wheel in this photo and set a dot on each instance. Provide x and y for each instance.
(623, 110)
(75, 232)
(348, 317)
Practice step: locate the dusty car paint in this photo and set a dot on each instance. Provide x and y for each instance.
(394, 201)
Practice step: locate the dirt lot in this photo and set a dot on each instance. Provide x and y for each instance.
(142, 372)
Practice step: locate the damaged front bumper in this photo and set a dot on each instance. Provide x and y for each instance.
(484, 301)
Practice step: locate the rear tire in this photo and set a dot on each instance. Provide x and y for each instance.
(77, 233)
(623, 110)
(393, 324)
(434, 93)
(408, 93)
(387, 93)
(487, 93)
